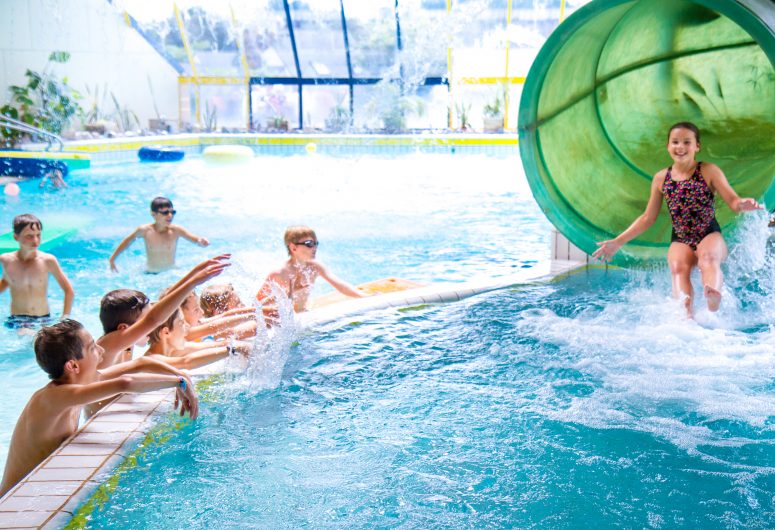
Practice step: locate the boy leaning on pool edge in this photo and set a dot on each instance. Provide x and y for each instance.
(69, 355)
(161, 238)
(26, 272)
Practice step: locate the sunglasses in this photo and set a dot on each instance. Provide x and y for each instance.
(309, 243)
(166, 212)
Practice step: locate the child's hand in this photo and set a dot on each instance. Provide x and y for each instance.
(202, 242)
(212, 261)
(749, 205)
(606, 250)
(209, 272)
(187, 400)
(113, 266)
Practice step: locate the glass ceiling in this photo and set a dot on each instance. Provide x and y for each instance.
(348, 42)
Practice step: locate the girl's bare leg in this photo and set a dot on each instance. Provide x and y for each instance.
(711, 253)
(681, 259)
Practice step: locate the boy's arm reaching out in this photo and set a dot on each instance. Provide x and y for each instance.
(64, 283)
(116, 341)
(128, 240)
(203, 357)
(338, 284)
(201, 241)
(218, 325)
(71, 395)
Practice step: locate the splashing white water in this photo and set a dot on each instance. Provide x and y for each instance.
(272, 344)
(651, 368)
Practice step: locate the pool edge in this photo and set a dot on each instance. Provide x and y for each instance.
(53, 493)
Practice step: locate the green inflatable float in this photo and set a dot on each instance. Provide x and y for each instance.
(602, 92)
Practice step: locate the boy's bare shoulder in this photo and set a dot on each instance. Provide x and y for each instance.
(45, 398)
(316, 266)
(143, 229)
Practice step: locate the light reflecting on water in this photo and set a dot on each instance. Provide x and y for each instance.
(422, 217)
(587, 402)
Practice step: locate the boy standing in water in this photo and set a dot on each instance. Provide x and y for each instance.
(161, 238)
(69, 355)
(26, 272)
(299, 273)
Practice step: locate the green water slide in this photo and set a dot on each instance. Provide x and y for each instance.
(608, 83)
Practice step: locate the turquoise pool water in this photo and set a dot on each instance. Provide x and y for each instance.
(585, 403)
(423, 217)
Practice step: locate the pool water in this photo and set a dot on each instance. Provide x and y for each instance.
(423, 217)
(589, 402)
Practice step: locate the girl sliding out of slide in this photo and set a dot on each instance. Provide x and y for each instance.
(689, 187)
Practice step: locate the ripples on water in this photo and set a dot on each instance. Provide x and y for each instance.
(588, 402)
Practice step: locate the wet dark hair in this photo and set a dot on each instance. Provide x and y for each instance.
(689, 126)
(122, 306)
(160, 202)
(20, 222)
(155, 336)
(57, 344)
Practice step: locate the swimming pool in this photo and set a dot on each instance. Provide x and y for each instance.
(425, 217)
(587, 402)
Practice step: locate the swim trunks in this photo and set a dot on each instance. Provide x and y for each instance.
(27, 321)
(692, 208)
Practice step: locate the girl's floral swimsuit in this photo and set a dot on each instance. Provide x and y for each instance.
(692, 208)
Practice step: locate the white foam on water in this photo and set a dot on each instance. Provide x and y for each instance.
(652, 367)
(272, 345)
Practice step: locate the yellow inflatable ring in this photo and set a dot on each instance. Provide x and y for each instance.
(227, 154)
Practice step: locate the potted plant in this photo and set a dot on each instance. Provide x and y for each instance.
(464, 114)
(159, 123)
(338, 119)
(394, 108)
(278, 123)
(46, 102)
(493, 115)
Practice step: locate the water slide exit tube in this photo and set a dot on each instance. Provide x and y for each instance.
(608, 83)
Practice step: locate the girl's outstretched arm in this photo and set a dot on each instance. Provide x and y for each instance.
(606, 249)
(719, 182)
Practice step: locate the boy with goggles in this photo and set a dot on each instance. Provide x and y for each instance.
(297, 276)
(161, 238)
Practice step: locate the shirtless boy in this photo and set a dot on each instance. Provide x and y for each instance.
(128, 318)
(68, 353)
(161, 238)
(168, 344)
(299, 273)
(26, 272)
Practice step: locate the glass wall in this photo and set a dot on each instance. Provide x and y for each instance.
(349, 65)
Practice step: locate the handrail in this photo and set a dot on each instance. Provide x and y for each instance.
(20, 126)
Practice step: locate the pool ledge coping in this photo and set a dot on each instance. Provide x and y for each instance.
(49, 496)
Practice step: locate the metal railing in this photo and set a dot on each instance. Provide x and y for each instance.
(50, 138)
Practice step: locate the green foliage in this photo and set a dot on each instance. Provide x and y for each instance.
(395, 107)
(123, 116)
(339, 118)
(493, 109)
(96, 104)
(210, 117)
(463, 112)
(46, 101)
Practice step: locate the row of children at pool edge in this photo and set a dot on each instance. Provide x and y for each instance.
(83, 371)
(86, 373)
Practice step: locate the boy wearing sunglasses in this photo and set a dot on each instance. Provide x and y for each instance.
(297, 276)
(161, 238)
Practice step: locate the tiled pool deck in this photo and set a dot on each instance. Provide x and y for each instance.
(49, 496)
